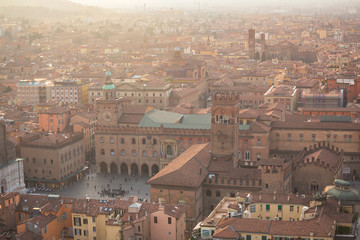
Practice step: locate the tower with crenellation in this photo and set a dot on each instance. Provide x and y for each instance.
(224, 124)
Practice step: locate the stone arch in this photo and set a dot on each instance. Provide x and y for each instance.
(144, 170)
(103, 167)
(114, 168)
(3, 186)
(134, 169)
(154, 169)
(124, 169)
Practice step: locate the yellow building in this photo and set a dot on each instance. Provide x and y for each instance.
(258, 216)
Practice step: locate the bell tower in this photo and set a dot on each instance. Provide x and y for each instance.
(109, 107)
(224, 124)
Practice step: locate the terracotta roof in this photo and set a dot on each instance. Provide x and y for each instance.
(130, 118)
(42, 220)
(185, 170)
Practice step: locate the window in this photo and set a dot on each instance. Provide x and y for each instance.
(44, 161)
(169, 220)
(350, 138)
(268, 207)
(143, 141)
(94, 229)
(122, 141)
(314, 186)
(155, 154)
(139, 229)
(313, 137)
(112, 152)
(144, 153)
(134, 153)
(93, 219)
(123, 152)
(86, 233)
(289, 136)
(77, 221)
(133, 141)
(154, 142)
(277, 136)
(20, 217)
(247, 156)
(102, 151)
(155, 220)
(217, 193)
(279, 208)
(258, 141)
(253, 208)
(65, 215)
(335, 137)
(248, 237)
(77, 232)
(51, 161)
(102, 140)
(291, 208)
(111, 140)
(208, 193)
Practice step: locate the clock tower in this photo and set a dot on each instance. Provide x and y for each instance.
(108, 107)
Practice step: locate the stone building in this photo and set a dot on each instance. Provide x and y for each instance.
(53, 160)
(32, 92)
(70, 91)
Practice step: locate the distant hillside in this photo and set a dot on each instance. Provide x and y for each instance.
(53, 9)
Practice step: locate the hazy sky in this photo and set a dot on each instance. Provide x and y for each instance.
(210, 4)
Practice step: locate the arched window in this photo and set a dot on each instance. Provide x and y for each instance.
(134, 153)
(133, 141)
(155, 154)
(217, 193)
(154, 141)
(144, 153)
(112, 152)
(143, 141)
(208, 193)
(168, 150)
(102, 140)
(314, 186)
(123, 152)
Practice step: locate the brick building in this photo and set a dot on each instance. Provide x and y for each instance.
(53, 160)
(55, 119)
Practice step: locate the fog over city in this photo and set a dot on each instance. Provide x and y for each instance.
(217, 4)
(180, 119)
